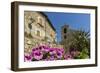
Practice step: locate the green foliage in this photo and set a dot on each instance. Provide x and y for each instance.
(83, 54)
(81, 42)
(81, 39)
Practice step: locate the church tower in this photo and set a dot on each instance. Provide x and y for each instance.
(64, 30)
(64, 35)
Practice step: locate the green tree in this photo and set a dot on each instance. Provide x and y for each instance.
(81, 42)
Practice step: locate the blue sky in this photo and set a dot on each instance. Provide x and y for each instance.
(74, 20)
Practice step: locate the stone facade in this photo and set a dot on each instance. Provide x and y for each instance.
(38, 30)
(66, 37)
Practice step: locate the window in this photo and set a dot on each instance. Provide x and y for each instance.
(30, 26)
(65, 30)
(38, 33)
(31, 20)
(65, 37)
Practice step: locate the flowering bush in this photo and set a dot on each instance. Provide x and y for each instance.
(46, 53)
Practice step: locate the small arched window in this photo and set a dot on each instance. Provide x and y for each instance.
(65, 30)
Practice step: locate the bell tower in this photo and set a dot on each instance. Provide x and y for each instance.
(64, 30)
(64, 36)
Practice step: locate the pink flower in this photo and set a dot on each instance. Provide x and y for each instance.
(52, 51)
(27, 58)
(45, 48)
(59, 54)
(37, 54)
(67, 56)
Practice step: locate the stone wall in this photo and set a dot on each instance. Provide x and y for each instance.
(37, 28)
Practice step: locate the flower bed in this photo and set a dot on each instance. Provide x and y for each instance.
(47, 53)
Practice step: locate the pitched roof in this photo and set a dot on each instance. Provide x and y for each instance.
(48, 20)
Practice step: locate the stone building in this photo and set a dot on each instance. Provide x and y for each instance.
(66, 37)
(38, 30)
